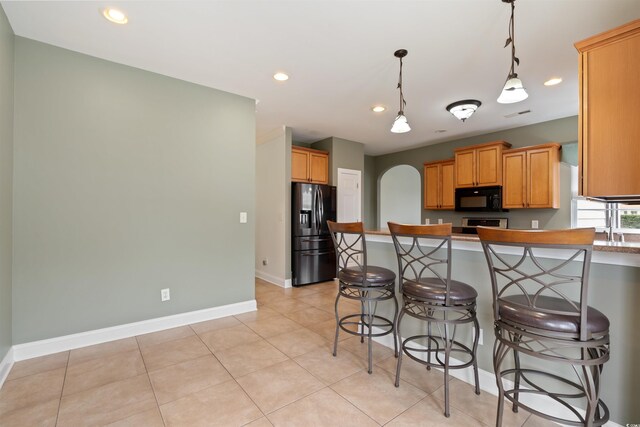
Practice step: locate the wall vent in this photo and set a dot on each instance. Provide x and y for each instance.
(519, 113)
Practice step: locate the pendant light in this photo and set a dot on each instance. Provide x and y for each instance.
(513, 90)
(462, 110)
(400, 124)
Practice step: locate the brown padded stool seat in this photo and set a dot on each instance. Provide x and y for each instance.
(514, 309)
(433, 289)
(375, 275)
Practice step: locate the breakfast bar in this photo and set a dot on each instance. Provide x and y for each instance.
(614, 289)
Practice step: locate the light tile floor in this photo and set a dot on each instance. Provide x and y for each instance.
(269, 367)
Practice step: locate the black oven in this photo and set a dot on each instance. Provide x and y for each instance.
(479, 199)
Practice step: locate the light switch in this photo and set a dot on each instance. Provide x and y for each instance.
(243, 217)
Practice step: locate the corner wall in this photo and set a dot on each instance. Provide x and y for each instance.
(125, 182)
(272, 194)
(6, 179)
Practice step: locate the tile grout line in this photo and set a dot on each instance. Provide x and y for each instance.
(232, 378)
(64, 380)
(150, 384)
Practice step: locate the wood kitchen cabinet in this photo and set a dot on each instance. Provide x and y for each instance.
(439, 192)
(531, 177)
(308, 165)
(609, 128)
(479, 165)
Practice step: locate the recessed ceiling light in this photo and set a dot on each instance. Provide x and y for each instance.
(281, 77)
(553, 81)
(114, 15)
(378, 108)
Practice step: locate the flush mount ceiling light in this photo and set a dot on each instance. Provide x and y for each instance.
(464, 109)
(513, 90)
(281, 77)
(554, 81)
(400, 124)
(378, 108)
(116, 16)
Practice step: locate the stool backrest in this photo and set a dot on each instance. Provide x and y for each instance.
(350, 246)
(520, 263)
(423, 251)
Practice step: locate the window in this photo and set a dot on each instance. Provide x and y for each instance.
(620, 217)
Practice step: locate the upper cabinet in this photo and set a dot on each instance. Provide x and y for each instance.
(479, 165)
(531, 177)
(308, 165)
(609, 129)
(438, 185)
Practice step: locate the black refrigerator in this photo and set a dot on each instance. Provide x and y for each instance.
(313, 256)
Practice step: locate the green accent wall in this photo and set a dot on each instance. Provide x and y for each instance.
(6, 179)
(125, 182)
(563, 131)
(370, 200)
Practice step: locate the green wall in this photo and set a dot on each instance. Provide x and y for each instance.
(614, 290)
(370, 200)
(125, 182)
(563, 131)
(6, 179)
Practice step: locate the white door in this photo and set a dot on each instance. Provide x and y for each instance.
(349, 200)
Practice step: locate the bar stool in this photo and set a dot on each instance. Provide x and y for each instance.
(362, 282)
(429, 294)
(540, 310)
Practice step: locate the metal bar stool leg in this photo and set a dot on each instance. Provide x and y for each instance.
(335, 342)
(370, 340)
(447, 351)
(395, 329)
(476, 339)
(516, 359)
(499, 352)
(399, 364)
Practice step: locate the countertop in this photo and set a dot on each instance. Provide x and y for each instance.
(598, 245)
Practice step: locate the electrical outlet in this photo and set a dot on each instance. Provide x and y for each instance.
(243, 217)
(165, 294)
(534, 224)
(439, 220)
(265, 261)
(427, 221)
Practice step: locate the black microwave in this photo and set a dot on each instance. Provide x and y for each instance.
(479, 199)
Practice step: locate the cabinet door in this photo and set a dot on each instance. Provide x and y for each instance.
(319, 168)
(447, 194)
(541, 167)
(514, 191)
(489, 166)
(431, 186)
(610, 149)
(299, 165)
(465, 168)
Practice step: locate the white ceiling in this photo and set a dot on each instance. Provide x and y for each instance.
(339, 54)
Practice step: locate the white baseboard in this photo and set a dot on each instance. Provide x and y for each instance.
(283, 283)
(98, 336)
(5, 366)
(487, 382)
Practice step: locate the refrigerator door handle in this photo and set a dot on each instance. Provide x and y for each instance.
(317, 210)
(321, 207)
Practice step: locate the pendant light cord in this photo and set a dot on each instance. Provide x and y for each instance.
(512, 37)
(402, 101)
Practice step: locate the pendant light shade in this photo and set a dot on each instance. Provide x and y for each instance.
(513, 90)
(462, 110)
(400, 124)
